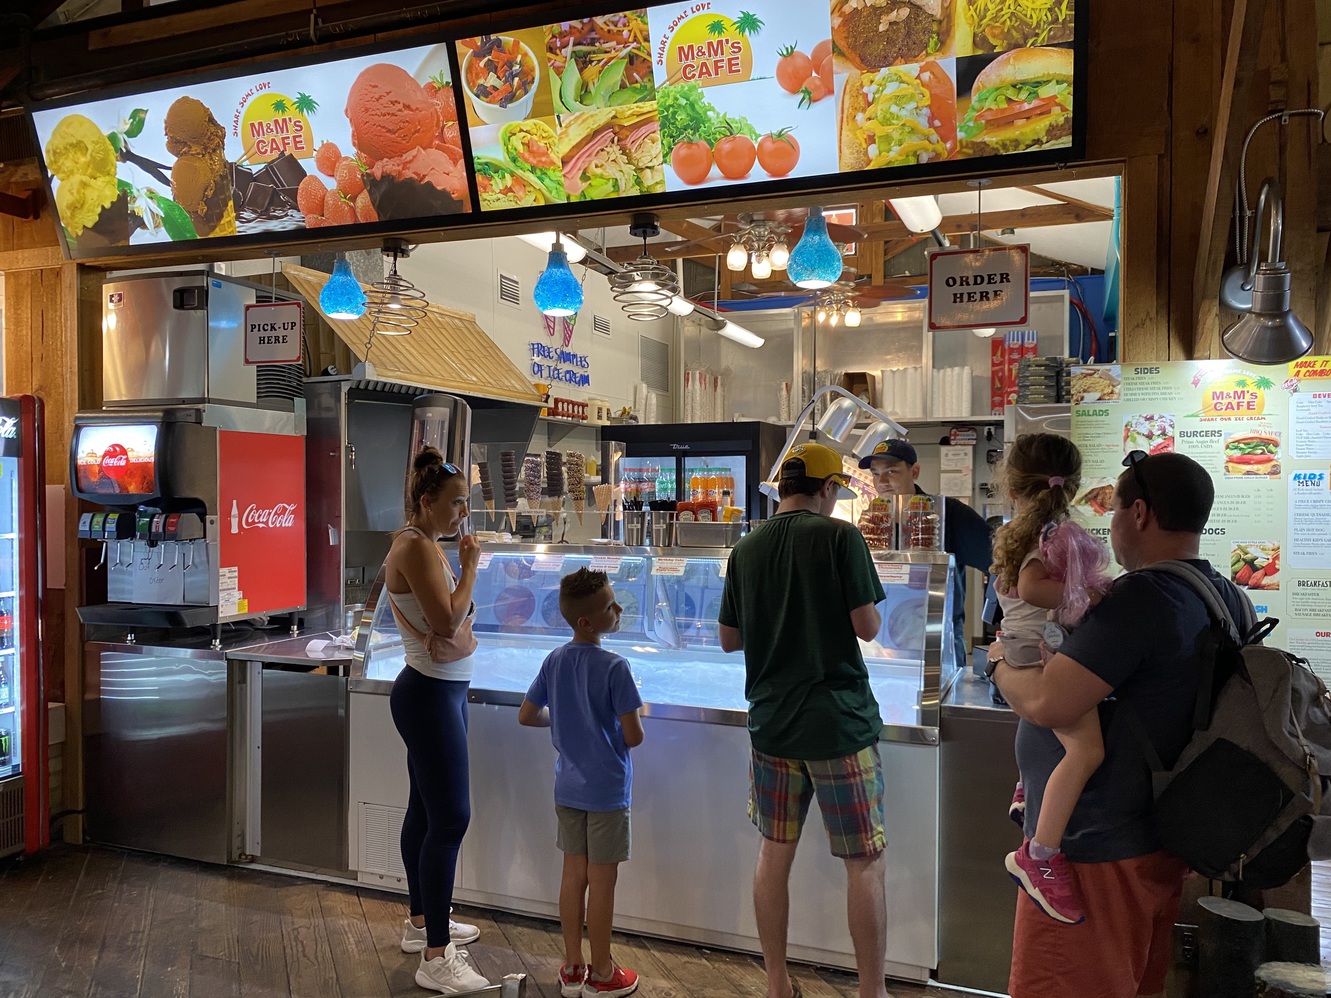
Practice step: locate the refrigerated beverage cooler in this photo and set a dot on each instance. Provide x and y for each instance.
(674, 462)
(24, 780)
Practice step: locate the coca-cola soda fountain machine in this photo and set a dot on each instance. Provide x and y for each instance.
(197, 460)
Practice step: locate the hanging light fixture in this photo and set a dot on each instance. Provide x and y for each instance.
(815, 262)
(919, 214)
(395, 305)
(680, 306)
(342, 296)
(557, 292)
(1270, 333)
(545, 241)
(645, 288)
(737, 257)
(761, 267)
(985, 332)
(853, 317)
(779, 256)
(839, 419)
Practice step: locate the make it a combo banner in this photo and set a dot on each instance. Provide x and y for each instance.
(661, 104)
(1264, 434)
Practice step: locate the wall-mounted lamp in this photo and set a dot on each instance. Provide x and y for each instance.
(1269, 333)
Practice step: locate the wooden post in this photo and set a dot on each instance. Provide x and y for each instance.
(1231, 938)
(1292, 937)
(1292, 980)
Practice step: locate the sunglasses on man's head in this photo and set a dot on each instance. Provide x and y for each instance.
(1132, 461)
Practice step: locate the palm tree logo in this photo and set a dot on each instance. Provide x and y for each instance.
(718, 27)
(748, 24)
(306, 104)
(280, 106)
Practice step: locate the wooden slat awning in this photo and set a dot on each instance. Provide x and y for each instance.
(448, 350)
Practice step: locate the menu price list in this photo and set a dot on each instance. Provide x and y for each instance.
(1264, 435)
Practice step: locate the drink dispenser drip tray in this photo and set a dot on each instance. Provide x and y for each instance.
(147, 615)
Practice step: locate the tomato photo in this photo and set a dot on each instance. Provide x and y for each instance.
(735, 155)
(813, 90)
(691, 161)
(793, 69)
(942, 103)
(778, 153)
(820, 53)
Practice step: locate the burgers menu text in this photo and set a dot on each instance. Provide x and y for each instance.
(1264, 434)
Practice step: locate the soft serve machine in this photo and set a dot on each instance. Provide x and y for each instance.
(197, 458)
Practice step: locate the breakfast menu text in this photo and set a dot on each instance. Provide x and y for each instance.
(1264, 434)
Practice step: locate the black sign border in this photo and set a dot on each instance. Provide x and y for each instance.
(476, 220)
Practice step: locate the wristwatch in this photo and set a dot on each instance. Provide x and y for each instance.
(990, 665)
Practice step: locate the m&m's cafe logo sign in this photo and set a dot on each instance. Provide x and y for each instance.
(704, 46)
(1238, 393)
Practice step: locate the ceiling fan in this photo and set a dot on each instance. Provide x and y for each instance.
(755, 230)
(852, 286)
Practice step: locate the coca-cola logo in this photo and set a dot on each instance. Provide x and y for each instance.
(115, 461)
(283, 514)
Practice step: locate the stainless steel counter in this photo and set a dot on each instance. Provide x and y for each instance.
(294, 651)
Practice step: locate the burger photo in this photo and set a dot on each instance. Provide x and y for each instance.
(872, 34)
(1020, 102)
(1253, 454)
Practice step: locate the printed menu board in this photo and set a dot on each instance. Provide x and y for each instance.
(700, 95)
(1264, 434)
(343, 143)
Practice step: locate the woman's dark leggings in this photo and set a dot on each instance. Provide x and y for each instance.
(431, 716)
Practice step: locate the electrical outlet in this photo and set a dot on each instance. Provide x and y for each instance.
(1185, 946)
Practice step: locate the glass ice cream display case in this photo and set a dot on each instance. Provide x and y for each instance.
(690, 828)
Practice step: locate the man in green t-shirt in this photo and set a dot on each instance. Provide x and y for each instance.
(801, 592)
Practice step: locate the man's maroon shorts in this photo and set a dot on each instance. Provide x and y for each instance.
(1120, 951)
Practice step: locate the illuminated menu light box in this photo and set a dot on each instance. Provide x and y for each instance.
(663, 104)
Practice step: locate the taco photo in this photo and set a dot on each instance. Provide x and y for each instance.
(1097, 497)
(532, 148)
(610, 153)
(872, 34)
(1253, 454)
(900, 116)
(1020, 102)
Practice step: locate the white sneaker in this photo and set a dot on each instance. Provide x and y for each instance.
(462, 933)
(414, 939)
(449, 973)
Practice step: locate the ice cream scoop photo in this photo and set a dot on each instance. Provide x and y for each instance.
(201, 176)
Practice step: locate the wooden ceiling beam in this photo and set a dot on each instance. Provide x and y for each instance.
(1037, 216)
(1091, 206)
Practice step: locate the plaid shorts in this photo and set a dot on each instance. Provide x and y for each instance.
(850, 798)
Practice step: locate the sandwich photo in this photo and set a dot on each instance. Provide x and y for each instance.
(499, 185)
(1020, 102)
(899, 116)
(1253, 454)
(872, 34)
(615, 152)
(532, 148)
(1000, 25)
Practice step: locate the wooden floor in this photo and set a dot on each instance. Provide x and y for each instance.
(87, 921)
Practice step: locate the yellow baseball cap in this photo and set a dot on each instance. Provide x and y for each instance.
(811, 460)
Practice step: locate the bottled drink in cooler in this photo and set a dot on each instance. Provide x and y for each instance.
(6, 695)
(5, 755)
(6, 623)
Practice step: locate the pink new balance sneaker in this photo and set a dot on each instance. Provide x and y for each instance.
(1017, 809)
(1050, 883)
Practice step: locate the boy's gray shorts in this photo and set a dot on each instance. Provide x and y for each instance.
(601, 836)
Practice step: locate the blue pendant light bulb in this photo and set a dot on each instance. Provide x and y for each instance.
(815, 262)
(557, 291)
(342, 296)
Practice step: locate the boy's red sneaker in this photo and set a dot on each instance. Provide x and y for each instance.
(571, 980)
(621, 982)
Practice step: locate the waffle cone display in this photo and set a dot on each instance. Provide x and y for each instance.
(604, 494)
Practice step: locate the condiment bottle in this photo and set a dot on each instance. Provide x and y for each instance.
(684, 512)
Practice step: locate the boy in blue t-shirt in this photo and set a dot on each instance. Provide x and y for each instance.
(587, 697)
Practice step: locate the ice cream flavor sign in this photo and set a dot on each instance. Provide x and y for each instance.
(344, 143)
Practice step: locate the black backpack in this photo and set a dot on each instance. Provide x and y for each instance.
(1247, 799)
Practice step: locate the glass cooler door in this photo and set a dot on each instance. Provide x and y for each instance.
(10, 674)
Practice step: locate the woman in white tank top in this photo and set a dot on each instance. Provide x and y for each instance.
(433, 610)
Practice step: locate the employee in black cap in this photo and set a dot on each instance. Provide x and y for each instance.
(896, 468)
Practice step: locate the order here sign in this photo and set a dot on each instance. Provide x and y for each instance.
(979, 287)
(273, 333)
